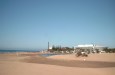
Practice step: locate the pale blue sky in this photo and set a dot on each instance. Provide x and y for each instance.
(30, 24)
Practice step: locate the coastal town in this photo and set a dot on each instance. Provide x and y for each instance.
(87, 48)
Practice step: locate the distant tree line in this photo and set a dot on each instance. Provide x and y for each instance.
(56, 48)
(109, 50)
(59, 48)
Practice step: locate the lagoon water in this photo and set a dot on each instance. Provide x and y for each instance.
(46, 55)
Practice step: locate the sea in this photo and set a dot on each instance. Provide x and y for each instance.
(13, 51)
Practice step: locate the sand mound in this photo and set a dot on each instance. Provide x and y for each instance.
(108, 57)
(68, 61)
(65, 65)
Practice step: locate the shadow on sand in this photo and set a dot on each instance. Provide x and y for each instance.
(71, 63)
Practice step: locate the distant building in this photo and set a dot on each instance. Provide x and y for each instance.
(50, 47)
(90, 48)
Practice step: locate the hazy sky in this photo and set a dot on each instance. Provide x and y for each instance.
(30, 24)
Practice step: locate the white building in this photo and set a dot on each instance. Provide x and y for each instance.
(91, 48)
(50, 47)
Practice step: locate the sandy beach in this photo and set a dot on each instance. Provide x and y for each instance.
(33, 64)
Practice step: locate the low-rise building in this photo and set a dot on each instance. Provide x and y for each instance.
(89, 48)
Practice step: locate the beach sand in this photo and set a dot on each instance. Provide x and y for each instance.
(30, 64)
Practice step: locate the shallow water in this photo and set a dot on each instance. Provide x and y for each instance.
(46, 55)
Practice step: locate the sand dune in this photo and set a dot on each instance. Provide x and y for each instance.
(37, 65)
(91, 57)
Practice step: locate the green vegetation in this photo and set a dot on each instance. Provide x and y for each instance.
(59, 48)
(109, 50)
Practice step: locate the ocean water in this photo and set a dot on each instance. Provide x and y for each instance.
(12, 51)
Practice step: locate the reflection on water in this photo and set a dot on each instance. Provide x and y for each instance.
(46, 55)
